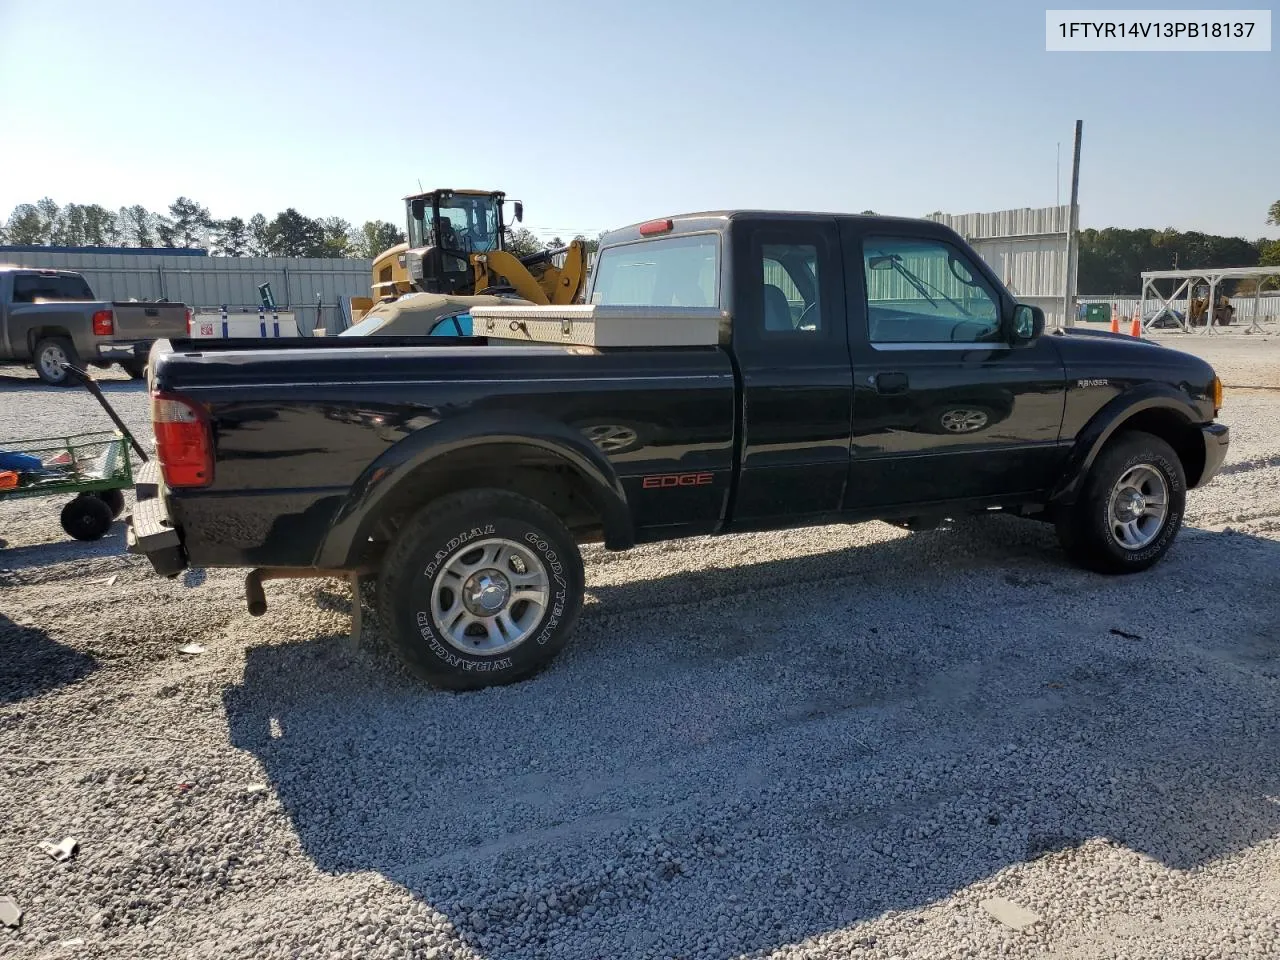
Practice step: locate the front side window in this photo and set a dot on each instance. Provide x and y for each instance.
(670, 272)
(925, 291)
(791, 302)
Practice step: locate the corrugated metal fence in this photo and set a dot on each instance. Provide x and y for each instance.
(207, 281)
(1027, 249)
(1268, 307)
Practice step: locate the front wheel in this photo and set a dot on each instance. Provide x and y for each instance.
(479, 589)
(1131, 507)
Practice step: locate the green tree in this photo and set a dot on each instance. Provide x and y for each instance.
(137, 226)
(25, 226)
(335, 238)
(49, 212)
(99, 226)
(258, 239)
(291, 234)
(188, 224)
(374, 237)
(1273, 214)
(522, 242)
(1270, 257)
(230, 237)
(68, 230)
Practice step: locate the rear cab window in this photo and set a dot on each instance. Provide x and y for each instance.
(679, 271)
(31, 288)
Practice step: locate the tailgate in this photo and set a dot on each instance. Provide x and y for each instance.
(149, 321)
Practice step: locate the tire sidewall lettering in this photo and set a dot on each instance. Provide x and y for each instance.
(1172, 522)
(455, 659)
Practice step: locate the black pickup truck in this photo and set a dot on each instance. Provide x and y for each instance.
(862, 368)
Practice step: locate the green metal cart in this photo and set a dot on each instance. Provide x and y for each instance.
(96, 466)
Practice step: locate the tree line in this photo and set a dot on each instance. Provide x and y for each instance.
(1111, 259)
(188, 224)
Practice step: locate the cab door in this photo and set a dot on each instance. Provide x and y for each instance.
(790, 339)
(944, 407)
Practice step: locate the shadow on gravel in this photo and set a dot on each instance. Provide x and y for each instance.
(31, 663)
(716, 766)
(66, 550)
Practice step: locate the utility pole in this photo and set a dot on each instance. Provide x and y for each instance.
(1073, 238)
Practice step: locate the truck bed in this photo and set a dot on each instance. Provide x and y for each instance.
(301, 427)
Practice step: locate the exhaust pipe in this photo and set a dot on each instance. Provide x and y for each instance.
(256, 598)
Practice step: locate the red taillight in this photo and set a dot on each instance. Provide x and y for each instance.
(184, 445)
(104, 323)
(190, 317)
(654, 226)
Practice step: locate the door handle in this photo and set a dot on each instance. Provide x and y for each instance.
(891, 383)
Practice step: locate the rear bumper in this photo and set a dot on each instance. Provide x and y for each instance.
(151, 531)
(1216, 438)
(134, 350)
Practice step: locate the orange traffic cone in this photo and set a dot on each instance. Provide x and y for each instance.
(1135, 326)
(1115, 319)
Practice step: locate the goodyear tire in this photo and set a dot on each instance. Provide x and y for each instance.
(1130, 509)
(479, 589)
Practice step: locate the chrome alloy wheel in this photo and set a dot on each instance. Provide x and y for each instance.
(489, 596)
(1139, 506)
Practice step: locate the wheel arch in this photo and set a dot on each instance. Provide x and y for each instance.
(1160, 411)
(542, 459)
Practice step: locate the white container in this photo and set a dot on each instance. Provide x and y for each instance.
(593, 325)
(243, 323)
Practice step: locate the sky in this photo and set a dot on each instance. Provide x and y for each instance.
(598, 114)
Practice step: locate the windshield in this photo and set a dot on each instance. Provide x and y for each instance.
(469, 224)
(369, 325)
(671, 272)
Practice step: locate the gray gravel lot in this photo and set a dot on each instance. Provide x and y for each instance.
(825, 743)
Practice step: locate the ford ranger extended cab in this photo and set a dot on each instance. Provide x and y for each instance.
(48, 317)
(731, 371)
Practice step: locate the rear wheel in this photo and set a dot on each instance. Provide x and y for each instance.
(480, 588)
(48, 357)
(136, 369)
(86, 518)
(1131, 507)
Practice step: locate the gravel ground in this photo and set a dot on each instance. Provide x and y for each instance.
(837, 742)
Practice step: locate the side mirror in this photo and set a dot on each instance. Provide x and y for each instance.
(416, 207)
(1028, 324)
(519, 212)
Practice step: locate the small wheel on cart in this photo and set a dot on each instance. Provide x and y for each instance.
(87, 517)
(113, 499)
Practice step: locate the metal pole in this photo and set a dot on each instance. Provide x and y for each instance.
(1073, 227)
(1057, 176)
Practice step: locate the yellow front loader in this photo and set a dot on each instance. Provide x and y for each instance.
(457, 247)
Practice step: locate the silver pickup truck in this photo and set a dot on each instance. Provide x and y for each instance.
(48, 316)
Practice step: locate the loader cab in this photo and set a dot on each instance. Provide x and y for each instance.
(447, 228)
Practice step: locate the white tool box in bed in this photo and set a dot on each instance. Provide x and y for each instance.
(592, 325)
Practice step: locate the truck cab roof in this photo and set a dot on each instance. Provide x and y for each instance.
(718, 219)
